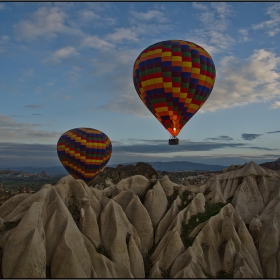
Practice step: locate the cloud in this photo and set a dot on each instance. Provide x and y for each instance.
(277, 131)
(184, 146)
(62, 53)
(215, 17)
(213, 35)
(34, 106)
(151, 15)
(118, 71)
(121, 34)
(271, 26)
(4, 40)
(22, 155)
(96, 43)
(37, 114)
(242, 82)
(18, 116)
(275, 105)
(199, 6)
(250, 136)
(220, 138)
(263, 148)
(13, 131)
(2, 6)
(89, 16)
(47, 22)
(26, 75)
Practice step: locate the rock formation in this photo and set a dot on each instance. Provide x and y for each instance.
(274, 165)
(228, 227)
(111, 175)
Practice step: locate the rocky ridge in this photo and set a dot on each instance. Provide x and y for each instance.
(274, 165)
(227, 227)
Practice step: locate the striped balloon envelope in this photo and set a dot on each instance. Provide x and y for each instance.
(84, 152)
(173, 79)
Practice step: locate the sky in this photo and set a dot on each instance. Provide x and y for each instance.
(69, 64)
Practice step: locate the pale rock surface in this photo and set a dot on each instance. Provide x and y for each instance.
(138, 217)
(137, 183)
(114, 221)
(70, 230)
(196, 206)
(216, 245)
(155, 271)
(167, 219)
(156, 203)
(167, 185)
(168, 249)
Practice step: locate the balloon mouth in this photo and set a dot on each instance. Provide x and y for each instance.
(173, 131)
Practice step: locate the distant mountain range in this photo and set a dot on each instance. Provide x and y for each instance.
(179, 166)
(158, 165)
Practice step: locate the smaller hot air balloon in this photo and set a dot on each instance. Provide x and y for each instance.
(84, 152)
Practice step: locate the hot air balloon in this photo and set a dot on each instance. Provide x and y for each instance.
(84, 152)
(173, 79)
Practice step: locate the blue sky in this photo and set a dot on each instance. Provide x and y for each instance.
(67, 65)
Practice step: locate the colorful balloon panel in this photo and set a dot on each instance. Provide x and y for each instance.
(174, 79)
(84, 152)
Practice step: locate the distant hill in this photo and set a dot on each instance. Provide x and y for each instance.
(179, 166)
(158, 165)
(274, 165)
(54, 170)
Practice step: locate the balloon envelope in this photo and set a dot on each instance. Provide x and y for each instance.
(173, 79)
(84, 152)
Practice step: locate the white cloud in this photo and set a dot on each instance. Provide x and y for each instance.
(74, 73)
(271, 26)
(216, 17)
(2, 6)
(96, 43)
(276, 105)
(87, 16)
(243, 31)
(118, 70)
(153, 15)
(4, 40)
(27, 74)
(62, 53)
(199, 6)
(122, 34)
(215, 21)
(241, 82)
(12, 131)
(46, 21)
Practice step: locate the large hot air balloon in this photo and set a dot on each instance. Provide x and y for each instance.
(84, 152)
(173, 79)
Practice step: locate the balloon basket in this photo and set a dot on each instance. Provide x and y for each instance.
(173, 141)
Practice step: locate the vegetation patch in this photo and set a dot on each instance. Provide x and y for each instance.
(185, 200)
(147, 261)
(194, 221)
(171, 198)
(74, 210)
